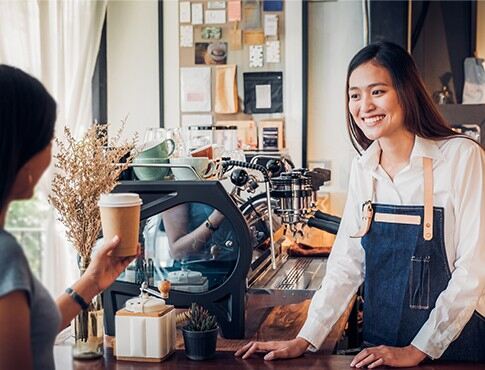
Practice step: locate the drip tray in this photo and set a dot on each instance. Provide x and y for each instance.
(295, 280)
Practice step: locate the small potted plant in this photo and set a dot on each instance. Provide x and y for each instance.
(200, 334)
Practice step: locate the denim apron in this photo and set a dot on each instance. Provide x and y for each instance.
(406, 269)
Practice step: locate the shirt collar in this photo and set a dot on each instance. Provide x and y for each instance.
(426, 148)
(422, 148)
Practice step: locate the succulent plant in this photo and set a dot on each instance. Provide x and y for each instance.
(200, 319)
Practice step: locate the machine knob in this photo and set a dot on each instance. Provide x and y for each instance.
(275, 166)
(215, 251)
(239, 177)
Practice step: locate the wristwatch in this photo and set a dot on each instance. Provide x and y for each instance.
(209, 225)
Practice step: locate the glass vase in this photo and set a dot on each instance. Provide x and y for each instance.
(88, 326)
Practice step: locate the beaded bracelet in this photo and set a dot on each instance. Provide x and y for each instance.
(77, 298)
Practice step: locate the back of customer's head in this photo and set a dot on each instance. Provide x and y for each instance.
(421, 116)
(27, 118)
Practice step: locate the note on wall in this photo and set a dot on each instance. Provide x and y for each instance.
(270, 25)
(184, 12)
(186, 36)
(255, 56)
(195, 89)
(251, 14)
(272, 52)
(197, 13)
(263, 96)
(196, 120)
(215, 16)
(234, 10)
(211, 4)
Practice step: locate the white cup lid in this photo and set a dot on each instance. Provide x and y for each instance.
(119, 200)
(145, 304)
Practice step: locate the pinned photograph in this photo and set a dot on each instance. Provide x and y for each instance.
(211, 33)
(210, 53)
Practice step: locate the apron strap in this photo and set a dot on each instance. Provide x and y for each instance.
(428, 199)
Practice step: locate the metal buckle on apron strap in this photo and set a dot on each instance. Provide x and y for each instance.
(367, 214)
(428, 198)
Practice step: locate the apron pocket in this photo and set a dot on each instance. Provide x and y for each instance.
(419, 283)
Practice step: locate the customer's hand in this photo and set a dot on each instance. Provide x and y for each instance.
(276, 349)
(105, 268)
(373, 357)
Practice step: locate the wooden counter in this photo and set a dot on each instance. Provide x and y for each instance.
(226, 360)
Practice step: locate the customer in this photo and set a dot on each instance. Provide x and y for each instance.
(423, 266)
(29, 318)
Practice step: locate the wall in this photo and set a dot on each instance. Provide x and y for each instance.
(335, 35)
(132, 63)
(132, 34)
(481, 29)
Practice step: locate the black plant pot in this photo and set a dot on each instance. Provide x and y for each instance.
(200, 345)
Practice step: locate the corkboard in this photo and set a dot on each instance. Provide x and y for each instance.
(238, 57)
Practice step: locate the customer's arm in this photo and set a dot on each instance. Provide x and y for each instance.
(101, 273)
(15, 349)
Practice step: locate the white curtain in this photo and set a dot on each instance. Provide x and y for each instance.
(57, 42)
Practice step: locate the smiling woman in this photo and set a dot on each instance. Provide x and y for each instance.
(419, 245)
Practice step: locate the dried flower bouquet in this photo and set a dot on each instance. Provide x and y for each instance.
(87, 168)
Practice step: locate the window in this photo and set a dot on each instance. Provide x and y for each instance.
(26, 221)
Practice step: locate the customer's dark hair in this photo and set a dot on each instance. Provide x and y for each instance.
(27, 119)
(421, 117)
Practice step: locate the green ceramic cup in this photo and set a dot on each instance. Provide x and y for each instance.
(158, 153)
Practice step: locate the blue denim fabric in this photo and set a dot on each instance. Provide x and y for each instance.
(404, 275)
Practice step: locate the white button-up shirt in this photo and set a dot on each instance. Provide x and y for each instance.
(459, 187)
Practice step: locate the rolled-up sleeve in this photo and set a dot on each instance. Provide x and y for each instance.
(345, 272)
(457, 303)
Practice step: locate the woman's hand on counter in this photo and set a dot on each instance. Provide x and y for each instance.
(388, 356)
(276, 349)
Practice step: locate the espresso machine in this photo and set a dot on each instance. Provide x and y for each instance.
(220, 242)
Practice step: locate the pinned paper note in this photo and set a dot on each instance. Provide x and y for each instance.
(251, 14)
(196, 120)
(253, 37)
(273, 5)
(263, 96)
(215, 16)
(197, 13)
(186, 36)
(270, 25)
(184, 12)
(195, 89)
(235, 38)
(255, 56)
(234, 10)
(216, 4)
(272, 53)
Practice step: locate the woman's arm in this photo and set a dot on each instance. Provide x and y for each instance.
(456, 304)
(345, 266)
(15, 348)
(343, 277)
(101, 273)
(182, 242)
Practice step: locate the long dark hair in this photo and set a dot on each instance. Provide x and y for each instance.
(421, 117)
(27, 119)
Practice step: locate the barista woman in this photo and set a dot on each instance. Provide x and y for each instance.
(420, 243)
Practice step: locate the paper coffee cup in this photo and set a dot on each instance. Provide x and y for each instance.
(120, 215)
